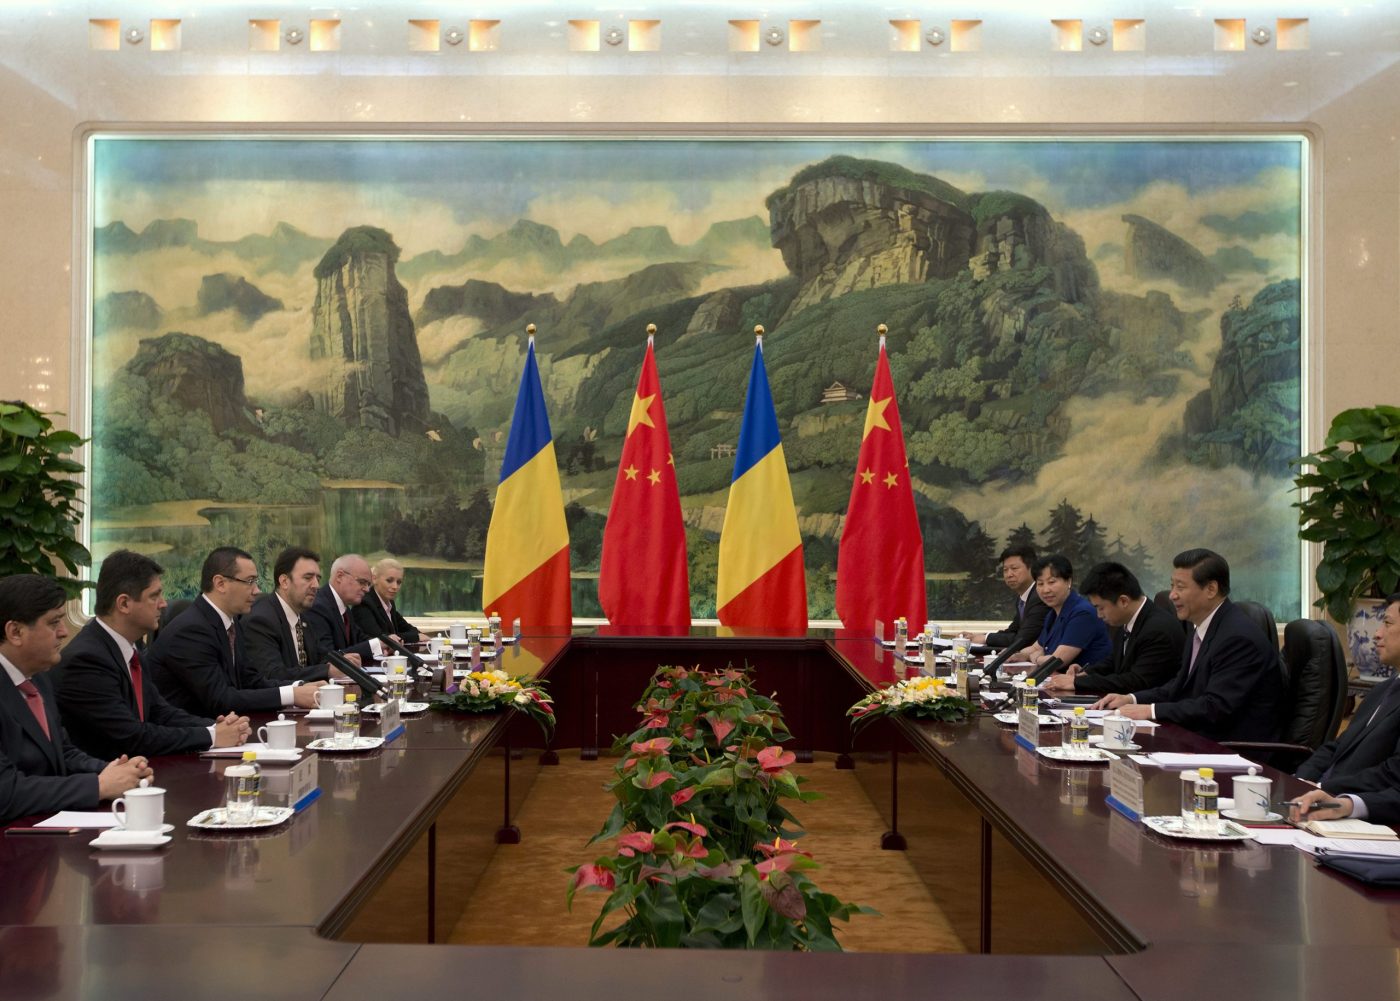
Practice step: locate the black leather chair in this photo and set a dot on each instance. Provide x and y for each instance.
(1263, 617)
(1315, 672)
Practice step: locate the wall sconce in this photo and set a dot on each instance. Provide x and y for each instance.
(614, 35)
(294, 36)
(1261, 35)
(774, 35)
(935, 36)
(1097, 36)
(453, 36)
(134, 36)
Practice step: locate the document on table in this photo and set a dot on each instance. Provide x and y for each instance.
(1347, 846)
(80, 818)
(1220, 762)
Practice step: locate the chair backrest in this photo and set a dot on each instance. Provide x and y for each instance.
(1263, 617)
(1316, 669)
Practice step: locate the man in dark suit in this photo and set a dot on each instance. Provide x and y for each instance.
(1229, 685)
(1147, 641)
(376, 615)
(1024, 629)
(40, 770)
(1360, 770)
(275, 631)
(201, 664)
(108, 699)
(328, 621)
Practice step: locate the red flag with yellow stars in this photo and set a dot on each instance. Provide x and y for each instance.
(643, 580)
(880, 566)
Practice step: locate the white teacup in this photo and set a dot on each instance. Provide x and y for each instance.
(329, 696)
(279, 734)
(1252, 796)
(1118, 731)
(395, 664)
(458, 630)
(141, 809)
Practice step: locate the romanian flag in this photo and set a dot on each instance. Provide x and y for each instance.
(527, 544)
(643, 579)
(880, 566)
(762, 584)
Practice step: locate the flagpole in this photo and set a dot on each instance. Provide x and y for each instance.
(651, 333)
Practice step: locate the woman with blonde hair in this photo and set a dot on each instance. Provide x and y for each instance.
(377, 615)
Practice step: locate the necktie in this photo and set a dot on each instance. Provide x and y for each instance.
(1195, 649)
(136, 684)
(1020, 607)
(35, 701)
(232, 646)
(301, 641)
(345, 618)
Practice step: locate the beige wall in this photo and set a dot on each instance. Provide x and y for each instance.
(1342, 89)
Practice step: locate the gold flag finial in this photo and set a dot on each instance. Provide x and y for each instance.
(530, 329)
(651, 330)
(758, 330)
(882, 330)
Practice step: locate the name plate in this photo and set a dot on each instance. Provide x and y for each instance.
(1028, 727)
(291, 785)
(390, 725)
(1125, 787)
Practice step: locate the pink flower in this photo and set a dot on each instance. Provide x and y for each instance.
(636, 841)
(594, 875)
(722, 728)
(655, 746)
(781, 846)
(688, 731)
(714, 682)
(684, 796)
(658, 722)
(774, 759)
(777, 862)
(696, 829)
(663, 684)
(654, 780)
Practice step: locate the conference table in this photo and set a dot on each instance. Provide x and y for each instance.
(296, 911)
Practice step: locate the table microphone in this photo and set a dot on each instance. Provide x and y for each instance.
(413, 659)
(354, 673)
(1046, 669)
(990, 671)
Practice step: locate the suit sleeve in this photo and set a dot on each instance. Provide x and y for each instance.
(1032, 622)
(1321, 759)
(190, 660)
(1382, 805)
(1154, 662)
(92, 693)
(405, 629)
(320, 628)
(22, 795)
(1235, 666)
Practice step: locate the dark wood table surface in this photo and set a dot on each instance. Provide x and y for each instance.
(217, 916)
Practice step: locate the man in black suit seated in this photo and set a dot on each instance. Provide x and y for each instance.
(1229, 685)
(108, 699)
(1360, 770)
(1147, 641)
(201, 664)
(328, 621)
(40, 770)
(275, 630)
(376, 615)
(1025, 628)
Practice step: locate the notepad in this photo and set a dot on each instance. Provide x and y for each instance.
(1349, 846)
(1220, 762)
(1351, 828)
(80, 818)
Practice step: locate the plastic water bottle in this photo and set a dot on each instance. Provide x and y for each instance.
(1188, 798)
(1207, 802)
(1079, 733)
(347, 721)
(901, 636)
(242, 784)
(494, 622)
(1030, 696)
(929, 655)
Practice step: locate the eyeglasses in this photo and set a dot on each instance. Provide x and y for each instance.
(246, 581)
(365, 585)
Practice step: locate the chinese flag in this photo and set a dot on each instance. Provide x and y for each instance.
(880, 566)
(644, 581)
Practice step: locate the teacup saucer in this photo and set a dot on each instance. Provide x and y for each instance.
(1268, 818)
(131, 841)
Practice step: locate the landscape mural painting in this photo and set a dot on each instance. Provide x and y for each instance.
(1097, 344)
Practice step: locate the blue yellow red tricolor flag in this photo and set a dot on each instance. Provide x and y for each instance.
(527, 544)
(762, 583)
(880, 565)
(643, 579)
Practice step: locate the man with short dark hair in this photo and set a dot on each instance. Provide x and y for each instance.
(201, 664)
(41, 771)
(1147, 641)
(328, 621)
(1229, 685)
(1025, 626)
(1360, 770)
(280, 644)
(107, 696)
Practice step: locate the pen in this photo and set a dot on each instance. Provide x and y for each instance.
(41, 830)
(1322, 804)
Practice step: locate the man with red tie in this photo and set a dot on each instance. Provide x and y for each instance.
(328, 621)
(108, 699)
(200, 663)
(40, 770)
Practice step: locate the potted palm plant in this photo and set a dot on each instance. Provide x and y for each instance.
(1350, 503)
(39, 507)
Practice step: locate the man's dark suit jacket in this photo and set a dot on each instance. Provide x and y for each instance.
(1025, 628)
(194, 670)
(98, 703)
(39, 775)
(1236, 691)
(1365, 760)
(369, 615)
(325, 626)
(273, 650)
(1149, 657)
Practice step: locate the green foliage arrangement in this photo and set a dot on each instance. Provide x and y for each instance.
(705, 856)
(1351, 504)
(39, 506)
(920, 698)
(492, 691)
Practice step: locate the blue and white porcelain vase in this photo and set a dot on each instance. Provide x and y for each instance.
(1361, 639)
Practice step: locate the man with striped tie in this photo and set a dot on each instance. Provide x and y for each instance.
(109, 701)
(41, 771)
(276, 632)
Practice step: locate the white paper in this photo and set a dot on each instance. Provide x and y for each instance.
(1288, 836)
(234, 752)
(994, 696)
(1220, 762)
(78, 818)
(1349, 846)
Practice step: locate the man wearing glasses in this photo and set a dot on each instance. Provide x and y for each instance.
(329, 623)
(200, 664)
